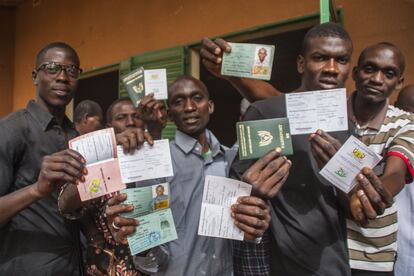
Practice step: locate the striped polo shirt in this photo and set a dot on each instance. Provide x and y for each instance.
(391, 132)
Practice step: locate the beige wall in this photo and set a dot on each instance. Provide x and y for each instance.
(7, 19)
(106, 31)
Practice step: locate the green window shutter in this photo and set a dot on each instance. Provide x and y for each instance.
(173, 59)
(169, 131)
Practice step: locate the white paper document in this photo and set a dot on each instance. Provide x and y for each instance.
(344, 166)
(149, 162)
(156, 82)
(323, 109)
(218, 196)
(99, 150)
(96, 147)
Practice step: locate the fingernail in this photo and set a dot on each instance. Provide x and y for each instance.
(83, 160)
(228, 49)
(319, 132)
(136, 222)
(217, 51)
(360, 176)
(233, 215)
(219, 60)
(278, 150)
(85, 171)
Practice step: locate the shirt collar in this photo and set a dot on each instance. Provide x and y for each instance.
(376, 122)
(187, 143)
(44, 118)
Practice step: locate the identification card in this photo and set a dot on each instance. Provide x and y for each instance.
(99, 150)
(348, 162)
(156, 223)
(149, 162)
(218, 195)
(256, 138)
(248, 61)
(140, 82)
(323, 109)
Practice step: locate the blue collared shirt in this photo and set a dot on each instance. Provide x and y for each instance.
(191, 254)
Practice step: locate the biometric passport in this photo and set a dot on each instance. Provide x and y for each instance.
(256, 138)
(135, 85)
(141, 82)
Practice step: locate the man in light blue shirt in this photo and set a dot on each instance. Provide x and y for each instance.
(196, 152)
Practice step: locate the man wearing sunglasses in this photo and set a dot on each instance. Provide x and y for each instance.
(34, 163)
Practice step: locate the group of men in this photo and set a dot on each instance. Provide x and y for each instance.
(295, 222)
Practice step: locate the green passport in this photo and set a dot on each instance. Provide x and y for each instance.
(134, 84)
(256, 138)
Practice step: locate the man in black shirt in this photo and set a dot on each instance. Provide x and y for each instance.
(309, 235)
(34, 162)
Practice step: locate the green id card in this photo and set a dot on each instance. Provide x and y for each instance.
(248, 61)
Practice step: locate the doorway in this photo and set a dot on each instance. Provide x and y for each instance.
(101, 88)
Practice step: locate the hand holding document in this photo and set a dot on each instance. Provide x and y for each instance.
(99, 150)
(248, 61)
(141, 82)
(256, 138)
(156, 223)
(218, 196)
(348, 162)
(310, 111)
(149, 162)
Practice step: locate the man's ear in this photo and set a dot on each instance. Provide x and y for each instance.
(400, 83)
(210, 107)
(354, 72)
(300, 64)
(34, 77)
(85, 119)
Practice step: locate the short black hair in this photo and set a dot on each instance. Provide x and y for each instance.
(111, 107)
(61, 45)
(328, 29)
(187, 78)
(401, 58)
(86, 108)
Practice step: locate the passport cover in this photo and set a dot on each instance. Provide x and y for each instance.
(256, 138)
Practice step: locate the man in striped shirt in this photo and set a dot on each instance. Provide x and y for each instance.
(389, 131)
